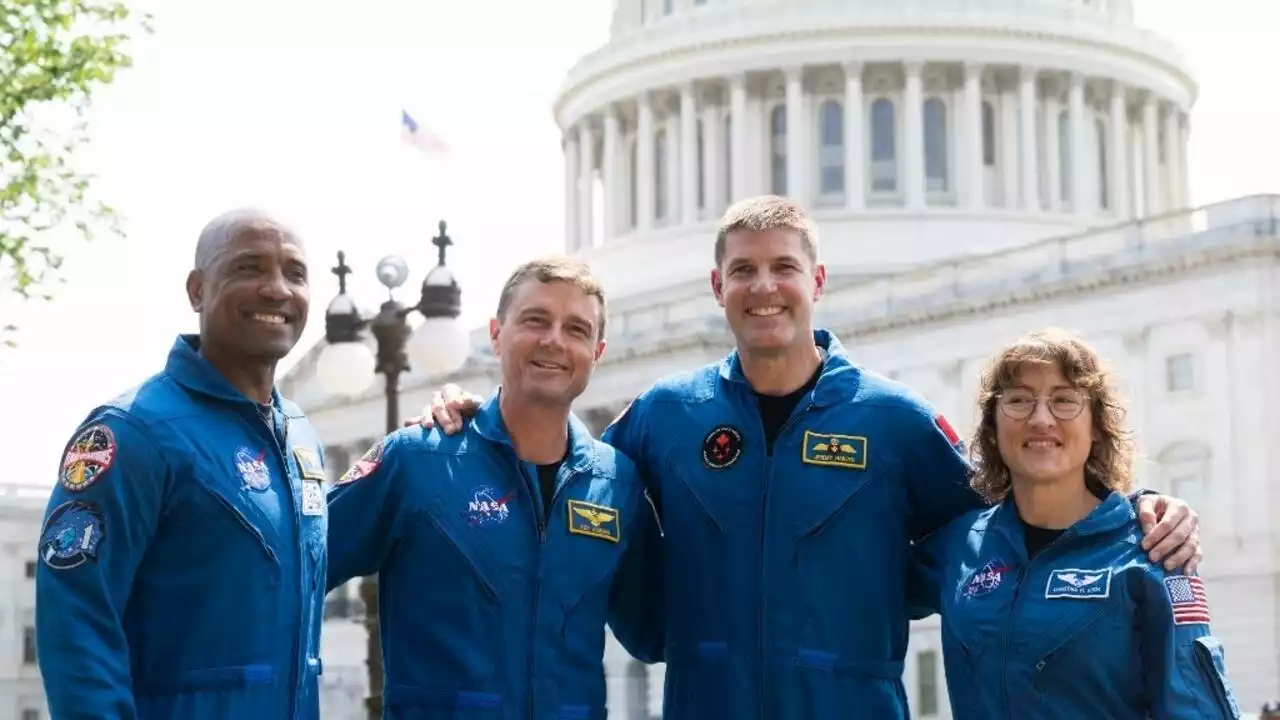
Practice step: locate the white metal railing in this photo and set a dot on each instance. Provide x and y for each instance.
(714, 23)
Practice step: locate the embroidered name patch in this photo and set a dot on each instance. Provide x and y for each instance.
(1079, 584)
(72, 535)
(312, 498)
(846, 451)
(597, 521)
(985, 579)
(308, 463)
(488, 506)
(1190, 604)
(88, 458)
(252, 466)
(367, 463)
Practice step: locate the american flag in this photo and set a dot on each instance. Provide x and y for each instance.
(1189, 604)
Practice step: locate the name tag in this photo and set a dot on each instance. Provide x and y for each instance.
(312, 498)
(1079, 584)
(308, 463)
(597, 521)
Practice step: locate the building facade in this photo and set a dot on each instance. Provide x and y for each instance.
(977, 169)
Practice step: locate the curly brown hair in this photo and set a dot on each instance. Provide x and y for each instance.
(1110, 462)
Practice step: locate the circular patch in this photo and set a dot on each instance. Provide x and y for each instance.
(722, 447)
(71, 535)
(253, 469)
(367, 463)
(88, 458)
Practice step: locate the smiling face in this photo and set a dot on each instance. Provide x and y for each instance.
(547, 338)
(251, 291)
(1044, 430)
(767, 284)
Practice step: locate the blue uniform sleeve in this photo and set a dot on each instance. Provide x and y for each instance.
(365, 511)
(100, 521)
(937, 473)
(636, 601)
(924, 576)
(1183, 662)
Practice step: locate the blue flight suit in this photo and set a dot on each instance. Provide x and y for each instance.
(490, 605)
(786, 574)
(182, 557)
(1088, 628)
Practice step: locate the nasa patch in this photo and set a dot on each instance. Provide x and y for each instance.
(88, 458)
(985, 579)
(488, 506)
(72, 535)
(254, 473)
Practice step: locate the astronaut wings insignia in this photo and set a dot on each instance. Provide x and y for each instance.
(1079, 584)
(832, 450)
(597, 521)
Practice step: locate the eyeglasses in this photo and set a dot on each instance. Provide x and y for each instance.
(1063, 405)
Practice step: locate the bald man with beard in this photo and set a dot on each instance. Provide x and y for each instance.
(182, 555)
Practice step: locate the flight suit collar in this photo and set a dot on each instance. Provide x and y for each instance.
(489, 423)
(837, 382)
(192, 371)
(1115, 512)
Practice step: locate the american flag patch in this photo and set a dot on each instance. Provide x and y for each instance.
(1189, 604)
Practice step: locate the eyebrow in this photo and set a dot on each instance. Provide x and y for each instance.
(1055, 388)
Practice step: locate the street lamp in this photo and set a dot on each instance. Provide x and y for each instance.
(346, 367)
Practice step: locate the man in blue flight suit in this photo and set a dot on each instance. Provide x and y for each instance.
(182, 557)
(501, 552)
(790, 483)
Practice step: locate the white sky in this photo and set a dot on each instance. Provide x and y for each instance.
(294, 106)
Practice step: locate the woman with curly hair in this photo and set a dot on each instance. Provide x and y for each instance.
(1050, 607)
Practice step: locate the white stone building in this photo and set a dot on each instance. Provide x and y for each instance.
(979, 168)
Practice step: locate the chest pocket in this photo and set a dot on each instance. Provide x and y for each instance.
(587, 532)
(223, 520)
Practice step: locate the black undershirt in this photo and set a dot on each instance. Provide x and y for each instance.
(775, 410)
(1039, 538)
(547, 484)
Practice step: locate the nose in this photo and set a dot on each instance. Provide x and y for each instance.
(275, 287)
(553, 337)
(764, 283)
(1040, 415)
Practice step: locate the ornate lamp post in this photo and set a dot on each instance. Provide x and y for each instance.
(347, 367)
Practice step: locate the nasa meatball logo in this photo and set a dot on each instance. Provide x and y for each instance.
(488, 506)
(722, 447)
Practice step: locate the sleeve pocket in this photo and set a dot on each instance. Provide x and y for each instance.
(1211, 662)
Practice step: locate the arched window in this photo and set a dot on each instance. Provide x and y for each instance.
(661, 175)
(831, 152)
(702, 168)
(778, 150)
(988, 135)
(884, 147)
(633, 206)
(1100, 132)
(935, 145)
(1064, 156)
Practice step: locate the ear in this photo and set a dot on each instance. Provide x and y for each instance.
(195, 290)
(495, 326)
(819, 281)
(717, 286)
(599, 350)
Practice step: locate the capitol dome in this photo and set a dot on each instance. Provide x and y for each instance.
(978, 125)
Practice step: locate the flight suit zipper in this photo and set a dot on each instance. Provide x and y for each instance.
(762, 607)
(1009, 622)
(540, 521)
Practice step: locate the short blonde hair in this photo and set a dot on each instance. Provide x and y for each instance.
(554, 268)
(768, 212)
(1110, 462)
